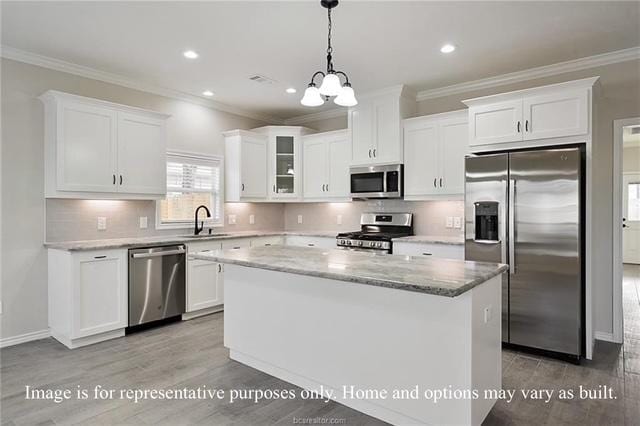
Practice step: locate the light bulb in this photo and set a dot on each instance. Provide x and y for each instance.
(330, 85)
(346, 97)
(312, 96)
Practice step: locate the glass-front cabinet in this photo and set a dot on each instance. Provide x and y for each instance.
(285, 161)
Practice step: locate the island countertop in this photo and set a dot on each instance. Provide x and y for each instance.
(444, 277)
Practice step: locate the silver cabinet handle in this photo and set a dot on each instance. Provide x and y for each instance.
(158, 253)
(512, 224)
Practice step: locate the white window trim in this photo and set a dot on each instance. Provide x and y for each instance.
(207, 222)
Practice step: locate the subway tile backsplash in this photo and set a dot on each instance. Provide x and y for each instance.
(69, 220)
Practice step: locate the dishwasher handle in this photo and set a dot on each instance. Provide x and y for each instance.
(158, 253)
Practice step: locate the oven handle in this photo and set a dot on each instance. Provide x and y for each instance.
(158, 253)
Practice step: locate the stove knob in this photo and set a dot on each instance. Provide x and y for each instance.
(348, 243)
(360, 243)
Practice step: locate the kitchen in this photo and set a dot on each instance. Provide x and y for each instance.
(384, 175)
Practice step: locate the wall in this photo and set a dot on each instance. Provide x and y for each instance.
(631, 159)
(620, 84)
(429, 217)
(24, 261)
(334, 123)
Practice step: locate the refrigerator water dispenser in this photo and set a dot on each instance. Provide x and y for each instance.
(486, 221)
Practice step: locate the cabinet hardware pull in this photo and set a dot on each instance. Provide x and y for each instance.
(327, 187)
(219, 267)
(427, 254)
(120, 179)
(369, 153)
(311, 245)
(236, 248)
(99, 257)
(323, 187)
(267, 245)
(434, 182)
(114, 179)
(518, 126)
(243, 186)
(526, 125)
(440, 182)
(374, 153)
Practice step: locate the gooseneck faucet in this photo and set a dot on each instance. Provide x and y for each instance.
(197, 229)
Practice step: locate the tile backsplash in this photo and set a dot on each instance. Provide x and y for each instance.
(69, 220)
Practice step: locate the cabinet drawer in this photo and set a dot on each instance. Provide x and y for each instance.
(445, 251)
(236, 243)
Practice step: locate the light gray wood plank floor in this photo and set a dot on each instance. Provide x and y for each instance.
(191, 354)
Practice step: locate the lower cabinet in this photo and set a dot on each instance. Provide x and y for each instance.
(205, 284)
(445, 251)
(88, 295)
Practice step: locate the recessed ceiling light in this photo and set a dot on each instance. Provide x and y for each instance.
(291, 90)
(190, 54)
(208, 93)
(447, 48)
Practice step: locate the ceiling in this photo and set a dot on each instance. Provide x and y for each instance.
(379, 44)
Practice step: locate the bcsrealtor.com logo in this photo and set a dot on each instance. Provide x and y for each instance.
(319, 421)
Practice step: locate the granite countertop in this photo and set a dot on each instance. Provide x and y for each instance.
(115, 243)
(444, 277)
(418, 239)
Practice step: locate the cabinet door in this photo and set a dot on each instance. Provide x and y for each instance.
(361, 127)
(453, 136)
(86, 148)
(338, 150)
(99, 292)
(431, 250)
(421, 159)
(496, 123)
(254, 168)
(204, 284)
(387, 147)
(315, 168)
(556, 115)
(142, 163)
(284, 166)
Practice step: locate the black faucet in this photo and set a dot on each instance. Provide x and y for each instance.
(197, 229)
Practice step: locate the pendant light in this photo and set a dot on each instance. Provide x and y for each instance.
(331, 85)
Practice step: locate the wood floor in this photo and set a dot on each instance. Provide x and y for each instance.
(191, 354)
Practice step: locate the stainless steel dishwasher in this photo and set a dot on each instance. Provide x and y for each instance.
(156, 283)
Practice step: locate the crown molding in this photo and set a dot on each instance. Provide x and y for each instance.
(316, 116)
(19, 55)
(617, 56)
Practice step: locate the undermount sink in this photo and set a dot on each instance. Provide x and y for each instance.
(204, 235)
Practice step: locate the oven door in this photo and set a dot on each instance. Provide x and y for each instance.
(376, 182)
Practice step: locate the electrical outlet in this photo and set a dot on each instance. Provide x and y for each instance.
(143, 222)
(299, 218)
(488, 314)
(232, 219)
(339, 219)
(449, 222)
(252, 219)
(102, 223)
(457, 222)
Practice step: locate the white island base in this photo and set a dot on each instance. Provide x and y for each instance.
(316, 332)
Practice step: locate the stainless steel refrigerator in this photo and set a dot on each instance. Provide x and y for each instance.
(525, 209)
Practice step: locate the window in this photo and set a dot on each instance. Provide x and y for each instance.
(192, 180)
(633, 203)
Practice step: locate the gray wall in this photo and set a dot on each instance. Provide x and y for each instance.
(24, 261)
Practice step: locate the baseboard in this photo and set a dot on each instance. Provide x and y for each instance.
(202, 312)
(23, 338)
(606, 337)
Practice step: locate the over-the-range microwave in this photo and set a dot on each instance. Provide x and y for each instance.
(376, 181)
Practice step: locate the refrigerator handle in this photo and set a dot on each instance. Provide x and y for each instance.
(503, 229)
(512, 228)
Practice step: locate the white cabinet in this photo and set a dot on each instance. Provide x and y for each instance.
(326, 166)
(435, 147)
(205, 284)
(560, 111)
(97, 149)
(375, 126)
(245, 166)
(88, 295)
(444, 251)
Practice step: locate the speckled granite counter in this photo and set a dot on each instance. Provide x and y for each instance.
(445, 277)
(133, 242)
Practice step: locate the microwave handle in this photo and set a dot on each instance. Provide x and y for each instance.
(384, 181)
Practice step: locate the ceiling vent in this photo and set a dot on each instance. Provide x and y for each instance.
(262, 79)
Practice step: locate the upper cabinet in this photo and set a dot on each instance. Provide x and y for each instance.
(245, 166)
(549, 112)
(434, 150)
(326, 166)
(97, 149)
(375, 126)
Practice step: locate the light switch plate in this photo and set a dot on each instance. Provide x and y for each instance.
(457, 222)
(449, 222)
(252, 219)
(232, 219)
(143, 222)
(102, 223)
(299, 218)
(339, 219)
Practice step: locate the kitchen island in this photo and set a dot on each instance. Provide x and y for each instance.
(357, 327)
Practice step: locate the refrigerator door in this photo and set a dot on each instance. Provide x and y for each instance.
(485, 217)
(545, 290)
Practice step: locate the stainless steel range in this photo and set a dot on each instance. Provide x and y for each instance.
(377, 230)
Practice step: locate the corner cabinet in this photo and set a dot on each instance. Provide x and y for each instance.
(326, 166)
(561, 112)
(245, 164)
(434, 150)
(98, 149)
(375, 126)
(88, 295)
